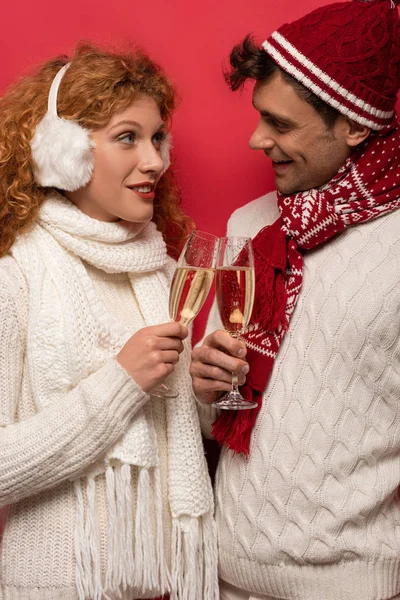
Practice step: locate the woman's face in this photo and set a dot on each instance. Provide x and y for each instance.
(127, 165)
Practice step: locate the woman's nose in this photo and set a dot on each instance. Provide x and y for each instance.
(150, 159)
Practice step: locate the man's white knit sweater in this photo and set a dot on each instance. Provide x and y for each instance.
(314, 513)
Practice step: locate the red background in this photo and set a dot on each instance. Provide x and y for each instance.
(216, 169)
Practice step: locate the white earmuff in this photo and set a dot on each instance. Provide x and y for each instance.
(61, 148)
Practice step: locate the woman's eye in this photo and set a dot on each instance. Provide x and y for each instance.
(159, 137)
(127, 138)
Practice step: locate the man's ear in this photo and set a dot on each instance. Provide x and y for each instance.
(356, 133)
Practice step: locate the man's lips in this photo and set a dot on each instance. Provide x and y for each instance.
(281, 166)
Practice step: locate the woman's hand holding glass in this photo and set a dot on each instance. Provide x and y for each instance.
(190, 286)
(151, 354)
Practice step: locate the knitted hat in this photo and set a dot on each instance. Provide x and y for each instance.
(348, 54)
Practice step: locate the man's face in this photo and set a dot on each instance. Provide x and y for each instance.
(304, 153)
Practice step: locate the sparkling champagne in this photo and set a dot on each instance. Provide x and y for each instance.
(235, 297)
(189, 290)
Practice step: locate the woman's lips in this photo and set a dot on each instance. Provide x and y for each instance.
(146, 191)
(144, 195)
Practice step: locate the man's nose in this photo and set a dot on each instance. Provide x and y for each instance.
(261, 138)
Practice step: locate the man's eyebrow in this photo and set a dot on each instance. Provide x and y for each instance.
(276, 117)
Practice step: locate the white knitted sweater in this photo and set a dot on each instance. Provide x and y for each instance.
(314, 513)
(95, 507)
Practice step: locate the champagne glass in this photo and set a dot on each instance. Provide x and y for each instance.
(190, 285)
(235, 282)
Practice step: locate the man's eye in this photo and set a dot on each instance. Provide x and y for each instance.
(281, 126)
(127, 138)
(278, 125)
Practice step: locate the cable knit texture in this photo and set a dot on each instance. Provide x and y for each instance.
(90, 496)
(314, 513)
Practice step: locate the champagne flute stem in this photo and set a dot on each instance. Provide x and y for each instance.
(235, 377)
(235, 383)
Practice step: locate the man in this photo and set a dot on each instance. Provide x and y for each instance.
(307, 489)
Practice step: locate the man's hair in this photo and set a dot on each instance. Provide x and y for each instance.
(249, 61)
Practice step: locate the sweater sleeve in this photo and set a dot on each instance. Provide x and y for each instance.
(63, 439)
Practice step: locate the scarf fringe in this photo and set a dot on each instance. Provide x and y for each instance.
(144, 571)
(112, 557)
(194, 556)
(128, 575)
(92, 534)
(145, 559)
(162, 568)
(210, 549)
(87, 544)
(125, 570)
(81, 579)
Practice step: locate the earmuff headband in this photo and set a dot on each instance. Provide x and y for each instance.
(53, 93)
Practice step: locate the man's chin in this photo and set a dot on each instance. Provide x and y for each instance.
(285, 188)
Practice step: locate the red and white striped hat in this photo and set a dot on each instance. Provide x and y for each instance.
(348, 54)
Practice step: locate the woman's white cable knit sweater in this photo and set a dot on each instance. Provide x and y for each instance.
(314, 513)
(106, 490)
(40, 452)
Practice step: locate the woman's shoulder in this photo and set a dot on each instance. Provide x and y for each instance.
(13, 285)
(10, 271)
(250, 218)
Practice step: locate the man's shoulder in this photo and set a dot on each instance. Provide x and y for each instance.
(250, 218)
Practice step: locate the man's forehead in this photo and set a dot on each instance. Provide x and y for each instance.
(266, 105)
(270, 91)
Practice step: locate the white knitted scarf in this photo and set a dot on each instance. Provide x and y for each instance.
(70, 336)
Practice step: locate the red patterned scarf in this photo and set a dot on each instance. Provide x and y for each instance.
(366, 187)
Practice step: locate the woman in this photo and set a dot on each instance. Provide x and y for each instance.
(106, 487)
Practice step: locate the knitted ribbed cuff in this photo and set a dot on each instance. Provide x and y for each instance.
(113, 385)
(366, 580)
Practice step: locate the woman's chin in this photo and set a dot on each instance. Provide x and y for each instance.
(142, 218)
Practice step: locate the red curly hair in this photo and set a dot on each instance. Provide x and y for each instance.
(98, 84)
